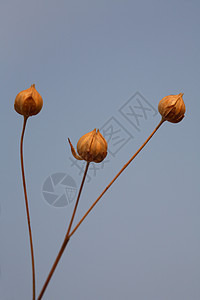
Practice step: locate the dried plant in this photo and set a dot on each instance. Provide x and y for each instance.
(28, 103)
(92, 147)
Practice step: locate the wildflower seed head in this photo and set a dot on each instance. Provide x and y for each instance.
(91, 147)
(172, 108)
(28, 102)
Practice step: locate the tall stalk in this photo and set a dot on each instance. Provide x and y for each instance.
(27, 206)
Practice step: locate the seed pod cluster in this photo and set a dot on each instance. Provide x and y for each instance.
(28, 102)
(91, 147)
(172, 108)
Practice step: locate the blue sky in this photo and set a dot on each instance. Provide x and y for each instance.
(87, 59)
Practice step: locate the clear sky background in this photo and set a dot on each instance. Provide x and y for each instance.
(87, 59)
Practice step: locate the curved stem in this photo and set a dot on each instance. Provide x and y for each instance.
(112, 181)
(66, 240)
(27, 206)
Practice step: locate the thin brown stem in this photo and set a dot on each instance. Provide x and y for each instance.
(77, 200)
(66, 240)
(27, 206)
(113, 180)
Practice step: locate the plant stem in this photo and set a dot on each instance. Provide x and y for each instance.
(68, 235)
(113, 180)
(27, 206)
(66, 240)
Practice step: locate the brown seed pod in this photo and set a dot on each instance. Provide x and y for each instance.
(172, 108)
(28, 102)
(91, 147)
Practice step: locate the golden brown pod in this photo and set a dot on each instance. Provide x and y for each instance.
(28, 102)
(91, 147)
(172, 108)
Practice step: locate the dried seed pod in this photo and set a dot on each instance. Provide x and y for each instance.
(91, 147)
(28, 102)
(172, 108)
